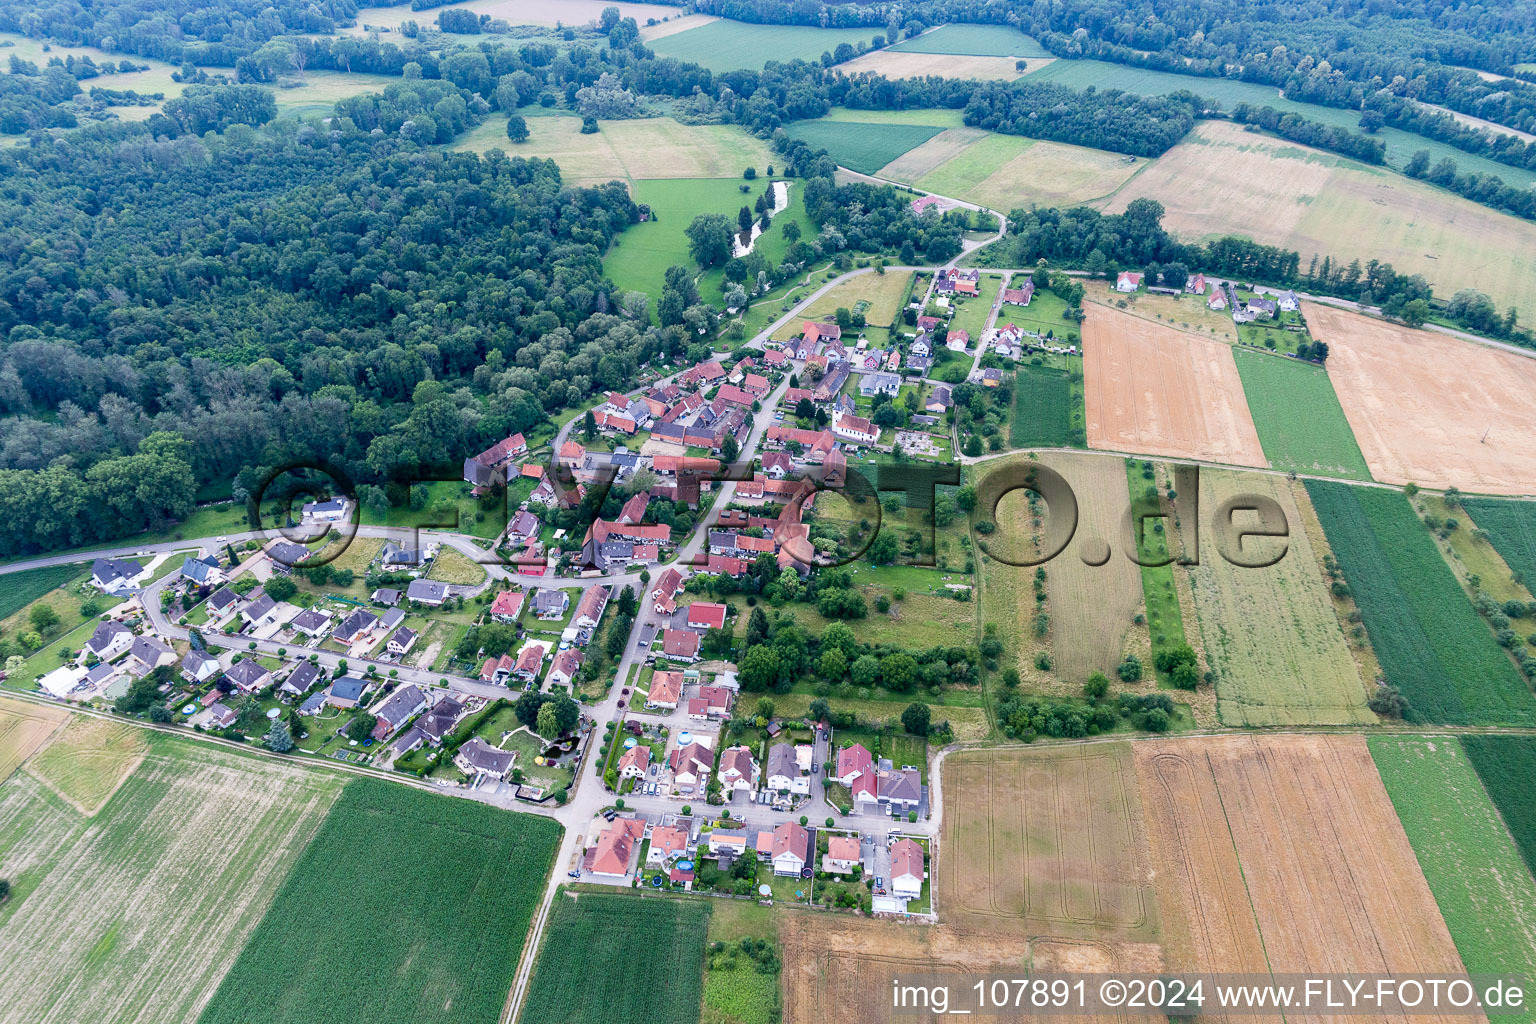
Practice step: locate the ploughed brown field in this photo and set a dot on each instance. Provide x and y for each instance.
(1432, 409)
(1283, 854)
(1155, 390)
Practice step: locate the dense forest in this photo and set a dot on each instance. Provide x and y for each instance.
(1117, 121)
(285, 294)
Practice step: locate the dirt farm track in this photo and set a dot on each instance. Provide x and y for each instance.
(1429, 409)
(1155, 390)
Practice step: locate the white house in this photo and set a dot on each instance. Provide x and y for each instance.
(791, 849)
(906, 869)
(738, 769)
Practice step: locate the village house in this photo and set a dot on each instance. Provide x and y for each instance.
(562, 671)
(852, 762)
(871, 384)
(522, 527)
(221, 602)
(906, 880)
(589, 610)
(197, 667)
(1217, 301)
(439, 719)
(957, 341)
(331, 510)
(1128, 281)
(115, 575)
(680, 644)
(507, 606)
(710, 703)
(397, 709)
(940, 400)
(354, 627)
(814, 332)
(498, 670)
(398, 558)
(550, 605)
(610, 855)
(730, 842)
(312, 622)
(249, 675)
(399, 642)
(301, 680)
(842, 855)
(668, 843)
(738, 770)
(347, 692)
(1020, 296)
(146, 654)
(477, 757)
(690, 766)
(202, 572)
(707, 615)
(791, 849)
(530, 662)
(783, 772)
(109, 639)
(666, 690)
(1289, 301)
(427, 592)
(635, 762)
(1195, 284)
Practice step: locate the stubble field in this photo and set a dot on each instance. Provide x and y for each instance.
(1420, 421)
(899, 64)
(838, 967)
(1090, 606)
(89, 759)
(136, 914)
(1261, 863)
(1270, 633)
(24, 727)
(1007, 172)
(1154, 390)
(523, 12)
(1046, 840)
(1222, 180)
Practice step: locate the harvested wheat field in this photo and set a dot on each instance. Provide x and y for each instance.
(1271, 633)
(89, 759)
(840, 968)
(518, 12)
(897, 64)
(1420, 403)
(1048, 840)
(928, 156)
(1223, 180)
(1154, 390)
(1283, 854)
(136, 914)
(23, 728)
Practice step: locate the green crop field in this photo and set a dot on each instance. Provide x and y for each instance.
(974, 41)
(406, 906)
(1485, 894)
(650, 952)
(734, 45)
(1044, 414)
(862, 147)
(1507, 766)
(1431, 644)
(1511, 527)
(1300, 423)
(19, 589)
(1401, 145)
